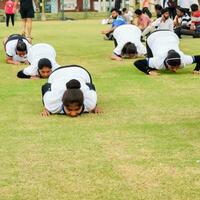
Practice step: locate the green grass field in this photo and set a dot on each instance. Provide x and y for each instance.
(145, 146)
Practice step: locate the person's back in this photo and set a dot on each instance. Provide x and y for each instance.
(165, 40)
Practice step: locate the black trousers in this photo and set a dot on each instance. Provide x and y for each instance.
(8, 16)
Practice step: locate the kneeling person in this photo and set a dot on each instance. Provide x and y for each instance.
(163, 53)
(127, 42)
(16, 48)
(69, 91)
(42, 59)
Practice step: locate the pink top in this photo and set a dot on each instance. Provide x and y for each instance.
(145, 3)
(9, 7)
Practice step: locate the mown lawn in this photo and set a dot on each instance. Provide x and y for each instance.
(144, 146)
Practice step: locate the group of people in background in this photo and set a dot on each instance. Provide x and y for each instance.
(182, 17)
(162, 36)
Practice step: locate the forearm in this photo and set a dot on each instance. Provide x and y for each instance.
(116, 57)
(197, 61)
(10, 61)
(142, 65)
(21, 74)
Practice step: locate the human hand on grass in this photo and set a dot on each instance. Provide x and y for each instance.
(45, 113)
(35, 77)
(153, 73)
(16, 63)
(96, 110)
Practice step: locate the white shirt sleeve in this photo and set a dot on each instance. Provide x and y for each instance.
(186, 60)
(90, 100)
(30, 70)
(9, 49)
(53, 101)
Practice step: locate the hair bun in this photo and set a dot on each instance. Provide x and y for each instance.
(73, 84)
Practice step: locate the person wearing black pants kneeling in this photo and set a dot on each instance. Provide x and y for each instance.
(163, 53)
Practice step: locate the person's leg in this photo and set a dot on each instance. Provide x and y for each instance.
(24, 27)
(7, 19)
(28, 27)
(187, 32)
(13, 19)
(197, 32)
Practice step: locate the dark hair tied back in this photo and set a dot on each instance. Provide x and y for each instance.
(21, 45)
(73, 84)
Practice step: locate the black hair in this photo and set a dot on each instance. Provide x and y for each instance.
(119, 12)
(158, 7)
(114, 9)
(21, 45)
(44, 62)
(73, 94)
(173, 58)
(138, 12)
(194, 7)
(129, 48)
(181, 9)
(164, 10)
(124, 10)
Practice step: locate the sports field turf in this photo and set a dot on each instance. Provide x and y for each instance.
(145, 146)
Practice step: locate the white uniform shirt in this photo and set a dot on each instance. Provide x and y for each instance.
(160, 43)
(37, 52)
(128, 33)
(58, 79)
(11, 50)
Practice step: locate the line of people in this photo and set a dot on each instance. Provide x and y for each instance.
(162, 50)
(69, 89)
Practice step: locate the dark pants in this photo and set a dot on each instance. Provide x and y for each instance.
(185, 31)
(8, 16)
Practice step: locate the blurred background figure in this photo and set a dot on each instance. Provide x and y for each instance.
(145, 8)
(9, 5)
(142, 21)
(182, 21)
(158, 10)
(172, 4)
(117, 4)
(127, 15)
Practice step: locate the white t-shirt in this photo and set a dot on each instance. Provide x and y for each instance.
(187, 3)
(37, 52)
(160, 24)
(160, 42)
(11, 50)
(58, 79)
(128, 33)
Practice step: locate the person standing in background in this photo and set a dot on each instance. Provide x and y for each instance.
(9, 5)
(27, 13)
(145, 8)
